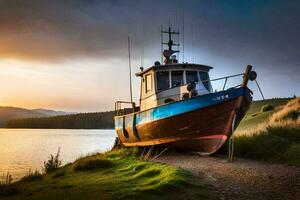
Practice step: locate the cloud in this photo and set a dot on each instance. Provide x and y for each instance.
(84, 45)
(55, 30)
(266, 32)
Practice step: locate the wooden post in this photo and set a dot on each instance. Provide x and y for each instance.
(246, 76)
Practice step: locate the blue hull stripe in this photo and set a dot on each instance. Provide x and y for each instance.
(183, 106)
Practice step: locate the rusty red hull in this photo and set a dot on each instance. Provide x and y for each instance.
(202, 130)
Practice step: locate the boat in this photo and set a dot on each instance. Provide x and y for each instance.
(179, 109)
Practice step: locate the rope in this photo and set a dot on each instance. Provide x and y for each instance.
(231, 141)
(260, 90)
(230, 148)
(159, 154)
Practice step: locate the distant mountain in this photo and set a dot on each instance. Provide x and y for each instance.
(51, 112)
(11, 113)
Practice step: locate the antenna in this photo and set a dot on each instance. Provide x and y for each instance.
(129, 63)
(183, 36)
(193, 43)
(143, 48)
(178, 46)
(161, 43)
(169, 52)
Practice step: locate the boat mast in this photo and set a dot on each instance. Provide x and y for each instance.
(169, 52)
(161, 43)
(183, 37)
(129, 63)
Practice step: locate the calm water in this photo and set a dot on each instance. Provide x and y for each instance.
(25, 149)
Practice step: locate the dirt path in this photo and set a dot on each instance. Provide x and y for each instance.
(242, 179)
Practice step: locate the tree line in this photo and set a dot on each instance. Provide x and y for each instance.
(97, 120)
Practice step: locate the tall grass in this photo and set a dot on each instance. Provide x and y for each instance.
(8, 179)
(277, 139)
(32, 176)
(6, 187)
(53, 162)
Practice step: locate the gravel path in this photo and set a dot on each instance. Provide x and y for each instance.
(242, 179)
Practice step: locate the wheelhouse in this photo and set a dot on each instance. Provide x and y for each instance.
(163, 84)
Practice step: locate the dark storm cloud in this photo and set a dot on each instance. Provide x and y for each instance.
(54, 30)
(264, 31)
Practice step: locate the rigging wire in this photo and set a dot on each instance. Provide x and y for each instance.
(259, 89)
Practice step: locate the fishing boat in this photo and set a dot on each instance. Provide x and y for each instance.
(179, 108)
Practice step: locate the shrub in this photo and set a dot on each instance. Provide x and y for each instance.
(32, 176)
(53, 163)
(91, 163)
(266, 108)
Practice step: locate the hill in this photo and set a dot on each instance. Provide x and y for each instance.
(97, 120)
(11, 113)
(272, 135)
(254, 116)
(51, 112)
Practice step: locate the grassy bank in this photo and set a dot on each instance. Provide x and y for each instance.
(273, 135)
(255, 116)
(114, 175)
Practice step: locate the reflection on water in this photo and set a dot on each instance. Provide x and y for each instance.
(25, 149)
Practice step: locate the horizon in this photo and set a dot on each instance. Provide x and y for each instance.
(75, 112)
(75, 59)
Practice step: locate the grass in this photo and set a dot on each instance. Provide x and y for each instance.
(257, 105)
(92, 163)
(267, 108)
(276, 139)
(6, 187)
(254, 117)
(32, 176)
(125, 177)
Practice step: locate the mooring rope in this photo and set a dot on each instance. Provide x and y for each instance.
(230, 148)
(231, 139)
(259, 89)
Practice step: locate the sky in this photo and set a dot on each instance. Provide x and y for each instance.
(72, 55)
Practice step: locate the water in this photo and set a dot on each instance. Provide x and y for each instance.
(22, 150)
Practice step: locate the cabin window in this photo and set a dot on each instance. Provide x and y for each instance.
(148, 83)
(163, 80)
(191, 76)
(204, 77)
(177, 78)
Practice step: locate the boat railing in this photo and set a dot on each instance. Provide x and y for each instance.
(225, 80)
(119, 110)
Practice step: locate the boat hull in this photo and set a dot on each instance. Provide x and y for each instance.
(204, 128)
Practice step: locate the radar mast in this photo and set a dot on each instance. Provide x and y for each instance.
(168, 53)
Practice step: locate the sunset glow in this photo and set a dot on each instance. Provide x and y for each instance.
(77, 60)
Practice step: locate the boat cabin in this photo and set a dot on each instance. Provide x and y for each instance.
(161, 84)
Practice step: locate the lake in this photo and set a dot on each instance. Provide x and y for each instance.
(22, 150)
